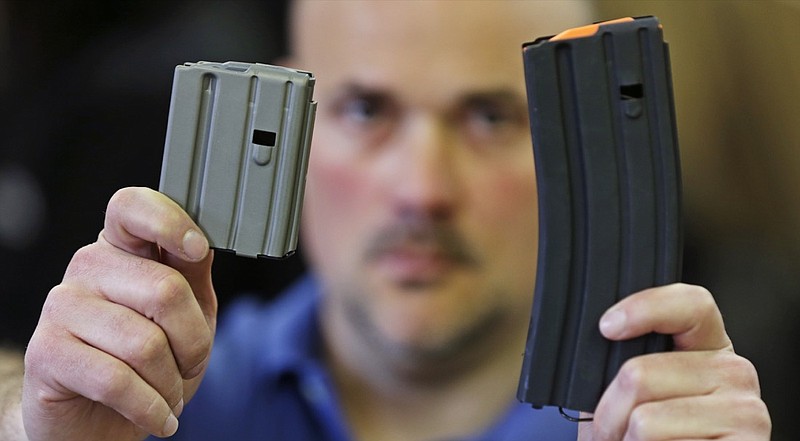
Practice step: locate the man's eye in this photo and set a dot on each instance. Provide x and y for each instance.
(487, 121)
(367, 118)
(363, 109)
(493, 114)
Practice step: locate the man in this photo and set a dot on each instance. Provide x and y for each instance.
(420, 224)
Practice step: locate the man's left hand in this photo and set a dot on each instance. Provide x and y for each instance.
(702, 390)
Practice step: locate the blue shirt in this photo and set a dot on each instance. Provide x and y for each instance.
(266, 381)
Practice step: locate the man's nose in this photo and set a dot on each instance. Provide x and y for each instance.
(427, 177)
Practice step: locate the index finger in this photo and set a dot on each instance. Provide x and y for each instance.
(687, 312)
(137, 218)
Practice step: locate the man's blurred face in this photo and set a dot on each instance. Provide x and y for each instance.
(420, 215)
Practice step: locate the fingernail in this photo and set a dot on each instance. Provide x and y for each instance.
(170, 426)
(613, 323)
(195, 245)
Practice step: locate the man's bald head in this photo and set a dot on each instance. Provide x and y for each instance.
(315, 23)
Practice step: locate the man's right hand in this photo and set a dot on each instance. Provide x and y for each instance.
(124, 340)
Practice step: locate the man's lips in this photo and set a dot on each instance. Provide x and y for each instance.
(418, 252)
(415, 265)
(417, 258)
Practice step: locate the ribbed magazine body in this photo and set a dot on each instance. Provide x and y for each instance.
(236, 153)
(606, 155)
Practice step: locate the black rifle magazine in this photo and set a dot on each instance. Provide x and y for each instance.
(608, 174)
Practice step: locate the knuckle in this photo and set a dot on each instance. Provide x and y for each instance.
(752, 405)
(739, 372)
(122, 198)
(762, 421)
(604, 425)
(37, 355)
(704, 302)
(55, 317)
(746, 371)
(201, 346)
(84, 255)
(84, 259)
(632, 375)
(196, 355)
(640, 422)
(171, 289)
(50, 342)
(119, 202)
(148, 347)
(112, 381)
(750, 411)
(53, 305)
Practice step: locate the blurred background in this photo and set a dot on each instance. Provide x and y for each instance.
(86, 86)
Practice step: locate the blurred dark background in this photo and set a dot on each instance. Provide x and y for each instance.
(85, 88)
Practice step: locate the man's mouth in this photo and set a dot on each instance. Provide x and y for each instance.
(419, 254)
(411, 265)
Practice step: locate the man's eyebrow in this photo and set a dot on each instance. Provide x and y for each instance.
(501, 95)
(362, 90)
(504, 95)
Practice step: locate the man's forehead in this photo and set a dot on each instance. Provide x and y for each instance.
(433, 22)
(437, 50)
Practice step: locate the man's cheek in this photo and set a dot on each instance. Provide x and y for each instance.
(335, 187)
(510, 197)
(331, 215)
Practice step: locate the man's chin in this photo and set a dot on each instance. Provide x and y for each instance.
(428, 343)
(421, 315)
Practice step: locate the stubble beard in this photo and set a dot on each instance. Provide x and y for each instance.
(449, 346)
(446, 353)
